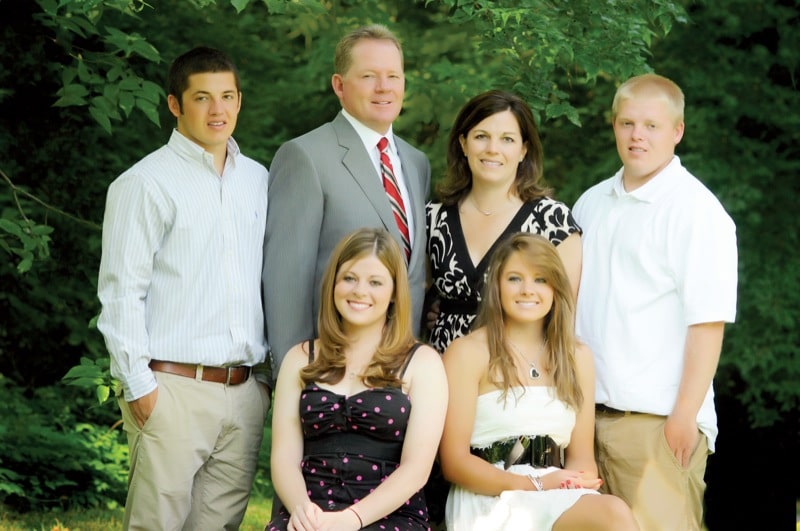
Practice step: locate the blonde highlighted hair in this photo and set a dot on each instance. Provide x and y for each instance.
(329, 362)
(558, 325)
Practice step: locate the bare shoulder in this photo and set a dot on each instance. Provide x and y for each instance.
(425, 373)
(427, 354)
(469, 351)
(584, 358)
(426, 362)
(582, 351)
(296, 358)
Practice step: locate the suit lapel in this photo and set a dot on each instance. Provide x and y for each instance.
(357, 162)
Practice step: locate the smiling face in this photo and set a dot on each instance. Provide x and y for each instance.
(646, 131)
(525, 294)
(363, 291)
(372, 89)
(494, 149)
(208, 110)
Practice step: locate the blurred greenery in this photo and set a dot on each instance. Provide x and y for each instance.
(257, 514)
(82, 98)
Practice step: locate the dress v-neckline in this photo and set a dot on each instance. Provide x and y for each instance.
(460, 240)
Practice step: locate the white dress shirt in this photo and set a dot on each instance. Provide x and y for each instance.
(181, 263)
(370, 139)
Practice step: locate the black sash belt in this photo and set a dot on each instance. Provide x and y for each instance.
(539, 451)
(354, 444)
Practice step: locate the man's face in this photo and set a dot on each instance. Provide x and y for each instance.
(211, 106)
(372, 89)
(646, 134)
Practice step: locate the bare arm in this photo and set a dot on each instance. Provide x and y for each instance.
(465, 361)
(571, 253)
(580, 452)
(701, 357)
(287, 435)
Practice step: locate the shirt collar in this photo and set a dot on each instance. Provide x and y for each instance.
(368, 136)
(193, 151)
(652, 189)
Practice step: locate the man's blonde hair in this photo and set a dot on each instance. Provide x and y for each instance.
(343, 58)
(650, 85)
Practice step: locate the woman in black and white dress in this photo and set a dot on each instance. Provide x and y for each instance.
(492, 190)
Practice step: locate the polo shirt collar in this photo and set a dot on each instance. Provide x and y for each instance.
(653, 189)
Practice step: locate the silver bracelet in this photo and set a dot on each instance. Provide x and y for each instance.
(537, 482)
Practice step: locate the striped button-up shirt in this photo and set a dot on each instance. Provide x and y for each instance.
(181, 263)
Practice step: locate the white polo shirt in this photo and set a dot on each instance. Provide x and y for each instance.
(655, 261)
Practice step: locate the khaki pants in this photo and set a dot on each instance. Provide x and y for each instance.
(637, 465)
(193, 462)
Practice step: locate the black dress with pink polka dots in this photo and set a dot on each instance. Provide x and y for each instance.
(351, 445)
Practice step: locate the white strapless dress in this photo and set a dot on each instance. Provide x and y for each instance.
(536, 412)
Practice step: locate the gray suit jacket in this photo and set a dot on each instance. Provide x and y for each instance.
(322, 186)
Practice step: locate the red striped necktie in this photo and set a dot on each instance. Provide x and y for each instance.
(393, 191)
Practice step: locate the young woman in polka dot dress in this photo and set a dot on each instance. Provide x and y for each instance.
(359, 411)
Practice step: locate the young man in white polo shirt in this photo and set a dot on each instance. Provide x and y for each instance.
(658, 285)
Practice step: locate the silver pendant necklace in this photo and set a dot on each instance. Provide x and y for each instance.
(533, 372)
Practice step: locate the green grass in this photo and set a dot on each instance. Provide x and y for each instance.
(255, 518)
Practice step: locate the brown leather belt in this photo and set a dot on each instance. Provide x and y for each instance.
(602, 408)
(224, 375)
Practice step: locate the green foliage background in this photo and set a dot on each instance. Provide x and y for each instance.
(81, 100)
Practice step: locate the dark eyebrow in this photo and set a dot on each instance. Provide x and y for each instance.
(512, 133)
(205, 92)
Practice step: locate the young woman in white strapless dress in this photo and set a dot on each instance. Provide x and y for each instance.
(521, 400)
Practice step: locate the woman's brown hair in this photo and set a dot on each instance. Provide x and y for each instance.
(558, 325)
(328, 365)
(458, 181)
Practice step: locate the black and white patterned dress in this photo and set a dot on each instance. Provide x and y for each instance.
(456, 280)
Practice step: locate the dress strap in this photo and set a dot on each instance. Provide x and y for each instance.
(408, 358)
(311, 350)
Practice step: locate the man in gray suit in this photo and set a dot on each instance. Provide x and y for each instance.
(327, 183)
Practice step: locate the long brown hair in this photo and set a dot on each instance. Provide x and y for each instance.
(558, 326)
(458, 180)
(329, 362)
